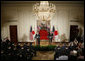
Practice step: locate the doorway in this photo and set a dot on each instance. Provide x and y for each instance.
(73, 32)
(13, 33)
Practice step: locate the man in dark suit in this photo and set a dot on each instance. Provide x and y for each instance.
(7, 40)
(50, 36)
(37, 36)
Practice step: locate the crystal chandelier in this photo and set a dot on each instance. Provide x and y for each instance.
(44, 10)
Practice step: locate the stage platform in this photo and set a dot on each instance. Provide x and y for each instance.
(43, 43)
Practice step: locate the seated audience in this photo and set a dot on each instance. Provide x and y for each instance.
(71, 51)
(12, 51)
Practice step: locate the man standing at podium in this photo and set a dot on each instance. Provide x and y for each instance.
(37, 36)
(50, 36)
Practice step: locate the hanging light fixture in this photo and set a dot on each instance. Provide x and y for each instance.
(44, 10)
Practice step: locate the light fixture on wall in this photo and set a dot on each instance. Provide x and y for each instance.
(75, 19)
(11, 20)
(44, 10)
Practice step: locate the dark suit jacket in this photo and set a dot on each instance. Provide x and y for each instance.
(37, 36)
(50, 36)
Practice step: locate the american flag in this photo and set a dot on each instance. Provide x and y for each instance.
(31, 35)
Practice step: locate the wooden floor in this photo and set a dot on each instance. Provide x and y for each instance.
(44, 55)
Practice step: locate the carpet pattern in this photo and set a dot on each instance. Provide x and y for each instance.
(44, 55)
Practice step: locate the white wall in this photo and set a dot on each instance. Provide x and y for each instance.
(25, 18)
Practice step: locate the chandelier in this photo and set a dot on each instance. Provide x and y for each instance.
(44, 10)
